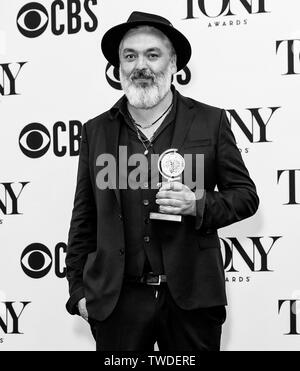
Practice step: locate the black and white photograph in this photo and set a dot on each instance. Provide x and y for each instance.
(149, 178)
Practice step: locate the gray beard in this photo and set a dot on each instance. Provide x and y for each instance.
(149, 96)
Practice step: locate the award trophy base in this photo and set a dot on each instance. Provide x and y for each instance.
(169, 217)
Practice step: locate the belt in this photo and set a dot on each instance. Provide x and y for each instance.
(148, 279)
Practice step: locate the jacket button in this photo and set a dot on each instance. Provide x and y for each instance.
(146, 202)
(146, 238)
(122, 251)
(120, 216)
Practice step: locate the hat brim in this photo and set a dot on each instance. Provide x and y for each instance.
(112, 38)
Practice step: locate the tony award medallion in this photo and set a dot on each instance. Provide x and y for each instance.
(170, 165)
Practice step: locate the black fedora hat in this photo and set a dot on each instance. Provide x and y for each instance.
(112, 38)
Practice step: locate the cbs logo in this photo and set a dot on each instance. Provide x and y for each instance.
(183, 77)
(64, 16)
(37, 260)
(35, 139)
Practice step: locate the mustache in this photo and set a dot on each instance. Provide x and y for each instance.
(142, 74)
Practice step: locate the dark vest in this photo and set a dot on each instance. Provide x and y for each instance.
(142, 235)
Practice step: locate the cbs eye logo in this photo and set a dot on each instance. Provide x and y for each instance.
(36, 260)
(35, 139)
(33, 18)
(112, 75)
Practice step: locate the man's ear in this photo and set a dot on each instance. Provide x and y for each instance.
(174, 64)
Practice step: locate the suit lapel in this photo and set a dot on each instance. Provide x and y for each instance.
(112, 141)
(184, 118)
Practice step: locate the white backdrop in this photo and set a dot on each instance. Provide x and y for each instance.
(242, 61)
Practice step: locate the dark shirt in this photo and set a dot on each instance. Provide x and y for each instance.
(142, 235)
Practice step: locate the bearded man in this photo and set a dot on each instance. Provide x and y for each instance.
(140, 280)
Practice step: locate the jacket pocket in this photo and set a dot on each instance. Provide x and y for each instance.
(198, 143)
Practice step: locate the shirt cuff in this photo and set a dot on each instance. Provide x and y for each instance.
(200, 206)
(74, 299)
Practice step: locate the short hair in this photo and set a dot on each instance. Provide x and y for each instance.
(153, 30)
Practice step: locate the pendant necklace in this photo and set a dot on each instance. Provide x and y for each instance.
(145, 127)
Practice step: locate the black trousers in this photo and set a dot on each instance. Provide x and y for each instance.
(147, 314)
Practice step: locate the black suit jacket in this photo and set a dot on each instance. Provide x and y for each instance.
(191, 249)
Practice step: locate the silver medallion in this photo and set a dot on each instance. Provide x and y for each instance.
(171, 164)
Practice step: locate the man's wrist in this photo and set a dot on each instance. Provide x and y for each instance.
(200, 207)
(194, 208)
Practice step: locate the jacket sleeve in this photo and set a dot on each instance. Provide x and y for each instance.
(236, 197)
(82, 235)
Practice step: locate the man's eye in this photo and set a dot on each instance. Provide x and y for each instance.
(153, 56)
(129, 56)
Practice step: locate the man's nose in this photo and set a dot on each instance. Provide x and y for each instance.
(141, 62)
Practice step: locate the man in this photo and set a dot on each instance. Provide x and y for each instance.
(139, 280)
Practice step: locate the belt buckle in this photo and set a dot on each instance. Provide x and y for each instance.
(155, 283)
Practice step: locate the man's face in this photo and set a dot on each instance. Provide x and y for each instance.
(146, 67)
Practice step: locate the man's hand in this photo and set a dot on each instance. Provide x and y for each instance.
(82, 308)
(176, 198)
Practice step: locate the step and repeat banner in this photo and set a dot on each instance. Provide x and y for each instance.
(53, 78)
